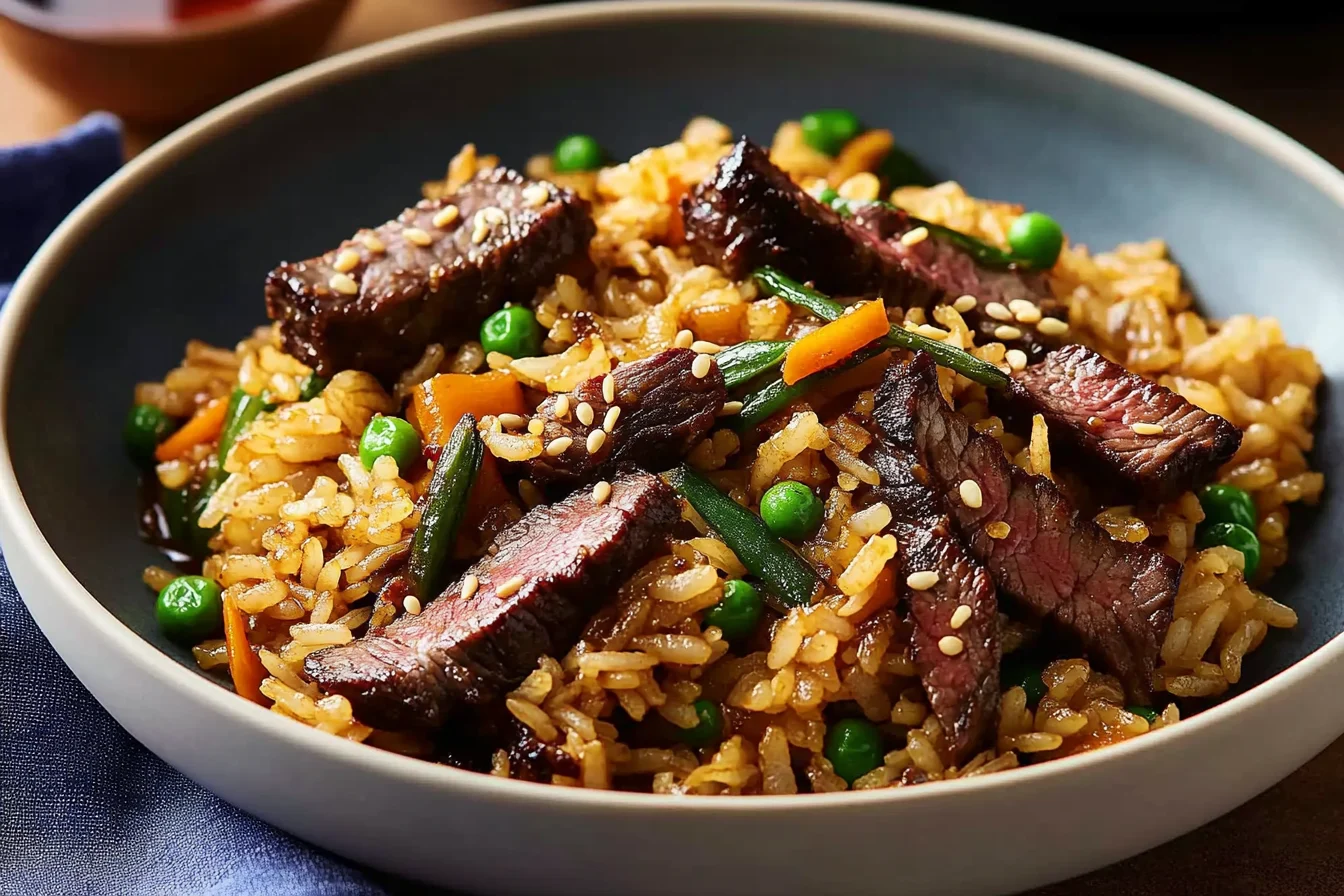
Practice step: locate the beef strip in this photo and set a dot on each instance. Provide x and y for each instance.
(1091, 405)
(460, 652)
(1113, 596)
(664, 410)
(510, 237)
(748, 213)
(963, 689)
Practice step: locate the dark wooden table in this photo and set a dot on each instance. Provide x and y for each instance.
(1290, 840)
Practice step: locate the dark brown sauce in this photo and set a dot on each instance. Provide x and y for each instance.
(154, 527)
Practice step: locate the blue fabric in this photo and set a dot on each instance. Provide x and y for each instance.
(84, 808)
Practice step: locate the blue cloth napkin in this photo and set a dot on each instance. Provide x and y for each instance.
(84, 808)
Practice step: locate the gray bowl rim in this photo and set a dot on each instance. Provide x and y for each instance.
(26, 536)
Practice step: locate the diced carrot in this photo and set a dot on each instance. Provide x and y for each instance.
(676, 225)
(245, 667)
(836, 341)
(440, 401)
(203, 427)
(488, 492)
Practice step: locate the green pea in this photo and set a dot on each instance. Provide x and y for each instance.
(1023, 671)
(1037, 238)
(790, 510)
(710, 728)
(146, 426)
(189, 609)
(578, 152)
(854, 747)
(828, 196)
(738, 612)
(513, 331)
(1227, 504)
(389, 436)
(311, 386)
(1235, 536)
(828, 130)
(1147, 712)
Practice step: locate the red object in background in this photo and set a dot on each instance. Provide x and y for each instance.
(198, 9)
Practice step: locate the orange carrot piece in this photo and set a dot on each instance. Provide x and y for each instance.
(244, 665)
(440, 401)
(836, 341)
(676, 225)
(488, 492)
(203, 427)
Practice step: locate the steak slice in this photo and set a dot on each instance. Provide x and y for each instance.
(466, 652)
(1113, 596)
(1092, 405)
(748, 213)
(510, 237)
(664, 410)
(962, 687)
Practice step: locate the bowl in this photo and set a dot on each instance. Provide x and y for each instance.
(176, 245)
(165, 70)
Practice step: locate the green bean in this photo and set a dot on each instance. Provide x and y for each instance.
(243, 409)
(739, 363)
(776, 395)
(445, 506)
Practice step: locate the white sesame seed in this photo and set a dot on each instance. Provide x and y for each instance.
(371, 242)
(595, 440)
(951, 645)
(1003, 332)
(922, 581)
(601, 492)
(1017, 359)
(964, 304)
(706, 348)
(343, 283)
(1148, 429)
(510, 588)
(1029, 315)
(1053, 326)
(1017, 306)
(486, 220)
(585, 413)
(918, 235)
(998, 529)
(729, 408)
(346, 261)
(536, 426)
(445, 216)
(960, 616)
(700, 366)
(684, 339)
(512, 421)
(931, 331)
(613, 414)
(971, 495)
(469, 585)
(562, 406)
(608, 388)
(536, 195)
(417, 236)
(998, 311)
(559, 446)
(412, 604)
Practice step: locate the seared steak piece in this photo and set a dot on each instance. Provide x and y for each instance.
(1124, 425)
(550, 571)
(1113, 596)
(961, 681)
(748, 213)
(664, 410)
(414, 282)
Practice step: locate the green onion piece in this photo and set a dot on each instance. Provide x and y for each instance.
(776, 395)
(243, 409)
(444, 508)
(739, 363)
(963, 362)
(788, 578)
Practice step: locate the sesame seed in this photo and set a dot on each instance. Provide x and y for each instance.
(918, 235)
(484, 221)
(596, 438)
(559, 446)
(1029, 315)
(931, 331)
(971, 495)
(951, 645)
(998, 311)
(700, 366)
(585, 413)
(510, 588)
(445, 216)
(601, 492)
(371, 242)
(343, 283)
(346, 261)
(1148, 429)
(412, 604)
(1004, 332)
(511, 421)
(417, 236)
(684, 339)
(613, 414)
(1053, 326)
(1017, 359)
(964, 304)
(469, 585)
(997, 530)
(536, 195)
(706, 348)
(562, 406)
(960, 616)
(729, 408)
(922, 581)
(608, 388)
